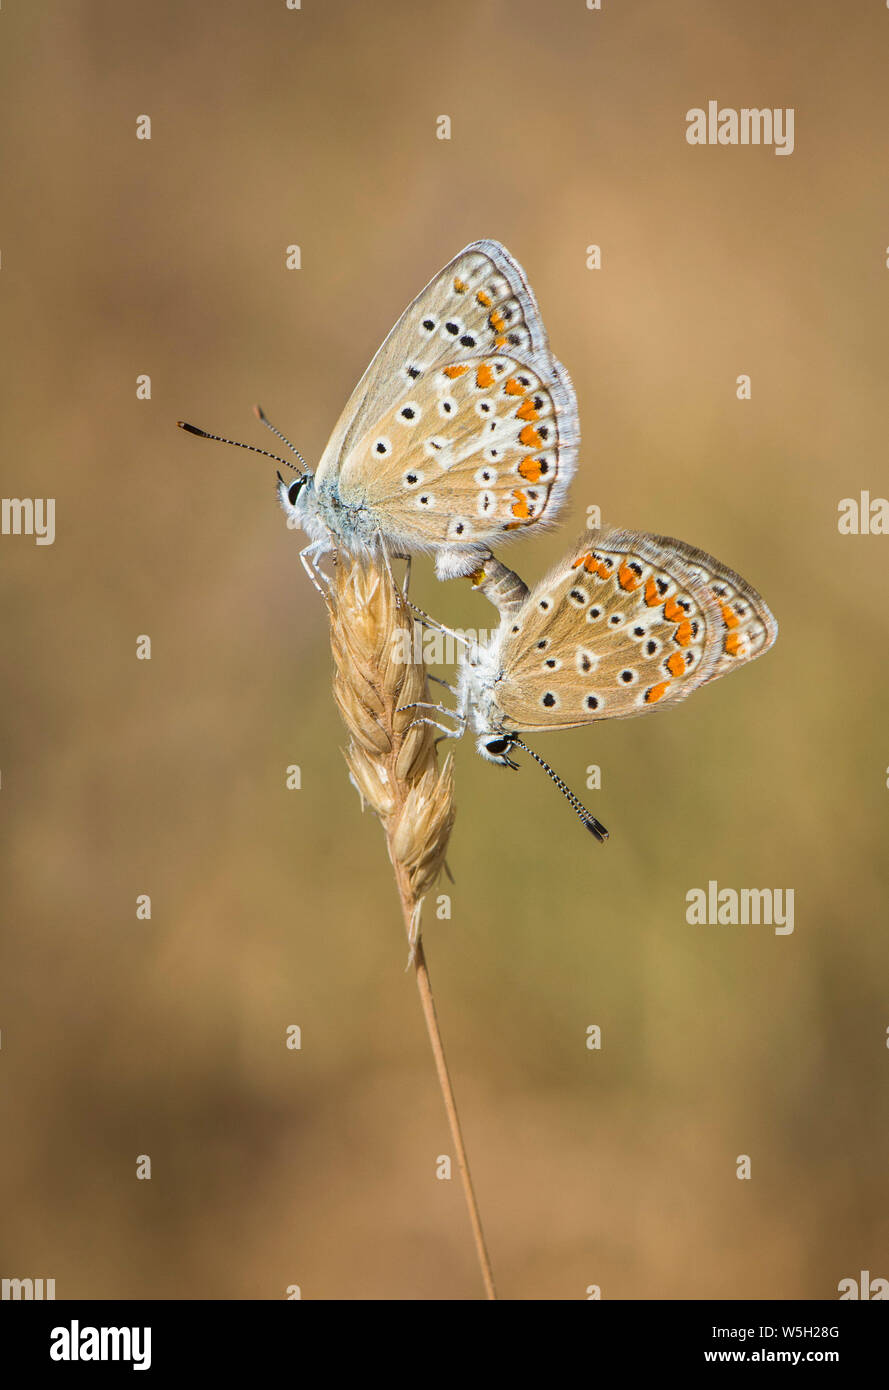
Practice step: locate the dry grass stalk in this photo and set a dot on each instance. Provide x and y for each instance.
(391, 757)
(393, 763)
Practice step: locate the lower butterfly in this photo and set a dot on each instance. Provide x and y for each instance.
(626, 624)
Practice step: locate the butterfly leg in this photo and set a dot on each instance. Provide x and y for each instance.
(451, 689)
(407, 573)
(387, 564)
(400, 591)
(309, 557)
(458, 718)
(440, 627)
(438, 709)
(433, 724)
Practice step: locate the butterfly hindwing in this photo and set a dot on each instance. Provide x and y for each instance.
(475, 450)
(628, 623)
(750, 627)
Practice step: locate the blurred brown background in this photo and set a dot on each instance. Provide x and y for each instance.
(119, 777)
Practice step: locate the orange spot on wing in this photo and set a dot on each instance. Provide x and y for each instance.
(456, 371)
(530, 438)
(520, 508)
(683, 633)
(676, 664)
(656, 692)
(497, 321)
(652, 597)
(599, 567)
(734, 644)
(460, 285)
(673, 611)
(514, 388)
(500, 342)
(483, 299)
(581, 560)
(530, 469)
(627, 578)
(484, 376)
(729, 615)
(526, 411)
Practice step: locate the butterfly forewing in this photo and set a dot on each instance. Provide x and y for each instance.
(628, 623)
(465, 380)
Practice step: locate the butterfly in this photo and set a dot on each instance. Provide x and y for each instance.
(627, 623)
(462, 431)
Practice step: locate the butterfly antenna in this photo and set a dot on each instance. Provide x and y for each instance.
(260, 415)
(595, 827)
(204, 434)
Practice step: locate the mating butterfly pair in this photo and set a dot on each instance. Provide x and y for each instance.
(463, 432)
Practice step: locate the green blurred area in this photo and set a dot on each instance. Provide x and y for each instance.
(119, 777)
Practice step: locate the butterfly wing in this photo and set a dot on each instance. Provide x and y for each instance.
(628, 623)
(750, 627)
(476, 450)
(463, 405)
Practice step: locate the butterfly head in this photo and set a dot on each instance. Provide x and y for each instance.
(292, 494)
(496, 748)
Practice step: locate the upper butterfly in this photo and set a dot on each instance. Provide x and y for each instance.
(463, 429)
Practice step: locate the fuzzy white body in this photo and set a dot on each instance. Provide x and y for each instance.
(329, 521)
(477, 708)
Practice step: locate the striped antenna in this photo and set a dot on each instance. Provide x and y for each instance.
(260, 415)
(205, 434)
(595, 827)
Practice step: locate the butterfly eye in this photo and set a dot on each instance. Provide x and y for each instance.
(294, 490)
(498, 746)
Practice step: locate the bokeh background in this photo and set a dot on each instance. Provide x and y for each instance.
(271, 907)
